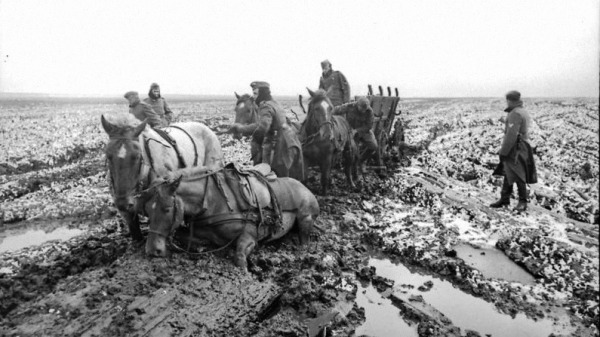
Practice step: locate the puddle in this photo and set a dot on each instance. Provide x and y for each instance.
(493, 263)
(464, 310)
(33, 237)
(382, 318)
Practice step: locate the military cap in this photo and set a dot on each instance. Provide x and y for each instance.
(513, 96)
(362, 103)
(130, 93)
(259, 84)
(324, 62)
(154, 85)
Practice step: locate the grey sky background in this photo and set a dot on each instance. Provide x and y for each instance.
(425, 48)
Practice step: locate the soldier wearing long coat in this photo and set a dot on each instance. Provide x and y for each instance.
(360, 116)
(274, 141)
(335, 84)
(143, 111)
(158, 103)
(516, 155)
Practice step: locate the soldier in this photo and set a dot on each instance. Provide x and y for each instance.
(274, 141)
(143, 111)
(516, 155)
(360, 117)
(335, 84)
(158, 103)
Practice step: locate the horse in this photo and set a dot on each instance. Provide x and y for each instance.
(324, 136)
(246, 112)
(210, 201)
(136, 155)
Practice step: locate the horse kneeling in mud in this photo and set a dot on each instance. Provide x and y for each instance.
(227, 206)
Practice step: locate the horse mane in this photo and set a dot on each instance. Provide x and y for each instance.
(243, 98)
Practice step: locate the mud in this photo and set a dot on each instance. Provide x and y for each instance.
(385, 260)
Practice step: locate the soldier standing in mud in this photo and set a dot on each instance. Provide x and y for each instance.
(273, 139)
(516, 156)
(158, 103)
(360, 116)
(143, 111)
(335, 84)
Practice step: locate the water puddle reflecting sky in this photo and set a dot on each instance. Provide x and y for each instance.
(382, 318)
(34, 237)
(493, 263)
(465, 311)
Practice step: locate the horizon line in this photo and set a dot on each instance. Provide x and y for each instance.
(119, 96)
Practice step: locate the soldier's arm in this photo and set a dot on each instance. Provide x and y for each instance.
(168, 113)
(151, 116)
(265, 119)
(513, 125)
(247, 129)
(321, 83)
(341, 109)
(345, 87)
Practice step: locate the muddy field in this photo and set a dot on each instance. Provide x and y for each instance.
(415, 252)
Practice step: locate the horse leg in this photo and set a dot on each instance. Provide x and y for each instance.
(245, 244)
(325, 173)
(349, 165)
(133, 223)
(305, 225)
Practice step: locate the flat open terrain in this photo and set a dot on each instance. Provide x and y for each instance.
(416, 251)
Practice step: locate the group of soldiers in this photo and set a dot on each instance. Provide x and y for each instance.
(273, 137)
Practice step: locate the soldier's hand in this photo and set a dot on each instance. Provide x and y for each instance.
(234, 128)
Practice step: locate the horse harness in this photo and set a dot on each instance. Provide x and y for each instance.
(168, 237)
(173, 144)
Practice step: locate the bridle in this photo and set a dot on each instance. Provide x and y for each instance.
(140, 183)
(253, 109)
(313, 136)
(172, 226)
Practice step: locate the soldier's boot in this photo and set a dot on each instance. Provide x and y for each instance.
(505, 194)
(522, 205)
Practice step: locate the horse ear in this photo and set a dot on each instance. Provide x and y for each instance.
(106, 125)
(236, 95)
(139, 129)
(312, 94)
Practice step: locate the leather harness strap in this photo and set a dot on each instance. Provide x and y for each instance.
(193, 143)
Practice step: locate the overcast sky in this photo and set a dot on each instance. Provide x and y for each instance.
(425, 48)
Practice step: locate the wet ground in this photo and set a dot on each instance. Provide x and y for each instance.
(412, 254)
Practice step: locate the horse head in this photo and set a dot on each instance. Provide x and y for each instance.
(320, 111)
(124, 159)
(246, 111)
(165, 214)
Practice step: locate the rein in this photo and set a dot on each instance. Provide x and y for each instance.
(314, 136)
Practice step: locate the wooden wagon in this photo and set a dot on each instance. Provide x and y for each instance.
(387, 132)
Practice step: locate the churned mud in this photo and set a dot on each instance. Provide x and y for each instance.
(416, 252)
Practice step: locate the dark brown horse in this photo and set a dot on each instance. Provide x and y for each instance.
(246, 112)
(137, 154)
(210, 206)
(325, 135)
